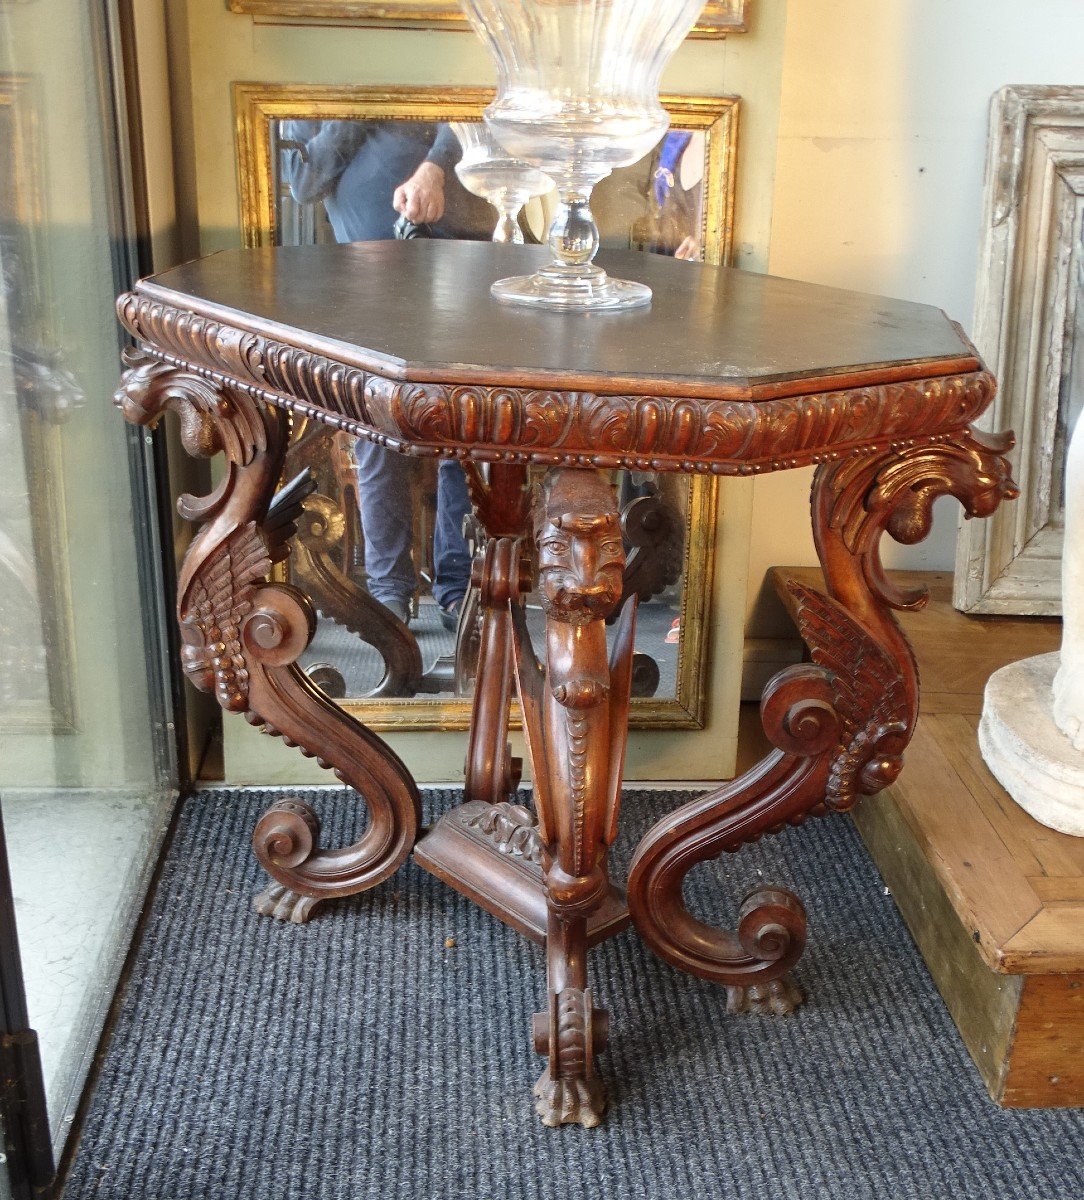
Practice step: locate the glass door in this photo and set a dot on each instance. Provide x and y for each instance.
(87, 752)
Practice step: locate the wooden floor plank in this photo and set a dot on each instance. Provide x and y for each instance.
(940, 703)
(1059, 889)
(958, 737)
(1037, 848)
(1059, 853)
(979, 873)
(1053, 941)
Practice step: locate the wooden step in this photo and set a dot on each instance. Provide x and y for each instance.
(994, 899)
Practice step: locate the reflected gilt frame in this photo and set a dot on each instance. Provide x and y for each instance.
(720, 17)
(257, 105)
(20, 106)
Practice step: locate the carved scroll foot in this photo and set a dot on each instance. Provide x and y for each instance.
(284, 837)
(281, 904)
(780, 997)
(569, 1091)
(569, 1102)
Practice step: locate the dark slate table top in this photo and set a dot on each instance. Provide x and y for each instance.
(421, 310)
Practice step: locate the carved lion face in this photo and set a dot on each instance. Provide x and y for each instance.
(581, 557)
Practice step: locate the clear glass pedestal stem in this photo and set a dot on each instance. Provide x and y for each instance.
(572, 282)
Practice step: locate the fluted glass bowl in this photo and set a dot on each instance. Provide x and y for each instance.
(577, 97)
(487, 170)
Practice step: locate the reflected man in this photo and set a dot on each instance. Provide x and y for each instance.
(369, 174)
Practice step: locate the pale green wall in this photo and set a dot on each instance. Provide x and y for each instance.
(882, 139)
(223, 48)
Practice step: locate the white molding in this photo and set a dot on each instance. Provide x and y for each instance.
(1025, 308)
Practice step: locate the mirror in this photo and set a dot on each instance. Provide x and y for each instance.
(385, 543)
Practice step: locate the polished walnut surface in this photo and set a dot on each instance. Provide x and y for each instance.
(421, 310)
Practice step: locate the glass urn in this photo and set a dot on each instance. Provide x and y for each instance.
(486, 170)
(577, 97)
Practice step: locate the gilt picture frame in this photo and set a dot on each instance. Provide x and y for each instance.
(719, 19)
(257, 109)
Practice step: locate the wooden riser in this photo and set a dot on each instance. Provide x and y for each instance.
(1025, 1032)
(994, 900)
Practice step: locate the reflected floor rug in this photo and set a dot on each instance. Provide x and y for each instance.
(363, 1056)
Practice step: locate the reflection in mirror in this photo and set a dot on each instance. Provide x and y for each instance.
(386, 541)
(350, 180)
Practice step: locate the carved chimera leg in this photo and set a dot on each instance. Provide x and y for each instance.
(575, 711)
(840, 725)
(321, 527)
(243, 636)
(500, 575)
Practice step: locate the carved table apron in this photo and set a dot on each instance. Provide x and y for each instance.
(769, 375)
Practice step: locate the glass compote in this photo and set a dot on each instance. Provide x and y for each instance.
(508, 184)
(577, 97)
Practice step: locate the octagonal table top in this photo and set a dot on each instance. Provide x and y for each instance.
(727, 370)
(422, 310)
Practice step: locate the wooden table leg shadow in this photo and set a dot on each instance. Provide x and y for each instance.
(839, 724)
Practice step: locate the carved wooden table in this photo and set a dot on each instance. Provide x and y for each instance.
(727, 372)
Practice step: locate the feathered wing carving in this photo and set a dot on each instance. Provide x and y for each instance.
(211, 615)
(243, 636)
(869, 695)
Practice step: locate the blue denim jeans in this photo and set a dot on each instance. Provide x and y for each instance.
(387, 524)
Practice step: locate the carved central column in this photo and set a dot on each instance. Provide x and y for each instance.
(575, 712)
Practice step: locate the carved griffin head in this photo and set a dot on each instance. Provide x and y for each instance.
(581, 557)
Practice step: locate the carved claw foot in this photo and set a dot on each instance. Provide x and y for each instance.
(569, 1101)
(779, 997)
(569, 1091)
(281, 904)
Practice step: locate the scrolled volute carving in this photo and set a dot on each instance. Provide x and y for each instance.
(836, 723)
(772, 927)
(288, 833)
(797, 711)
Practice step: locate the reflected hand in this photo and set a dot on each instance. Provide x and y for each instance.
(689, 248)
(421, 198)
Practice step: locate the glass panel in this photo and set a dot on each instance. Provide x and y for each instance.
(84, 804)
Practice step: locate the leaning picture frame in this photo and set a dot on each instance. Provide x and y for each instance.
(1028, 325)
(719, 18)
(258, 110)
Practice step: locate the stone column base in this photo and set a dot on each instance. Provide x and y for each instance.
(1030, 756)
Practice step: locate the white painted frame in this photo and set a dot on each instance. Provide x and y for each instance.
(1025, 314)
